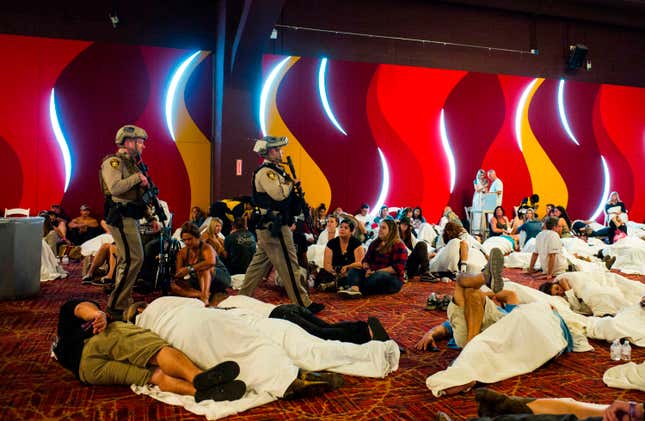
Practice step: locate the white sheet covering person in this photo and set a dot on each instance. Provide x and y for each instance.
(269, 351)
(626, 376)
(447, 259)
(518, 343)
(604, 293)
(49, 267)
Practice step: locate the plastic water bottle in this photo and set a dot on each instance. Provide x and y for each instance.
(615, 351)
(626, 351)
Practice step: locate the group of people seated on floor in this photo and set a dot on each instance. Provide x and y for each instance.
(283, 351)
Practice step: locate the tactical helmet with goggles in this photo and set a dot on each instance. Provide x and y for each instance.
(263, 145)
(129, 132)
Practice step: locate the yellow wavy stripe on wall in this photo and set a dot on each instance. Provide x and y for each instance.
(193, 145)
(545, 177)
(314, 182)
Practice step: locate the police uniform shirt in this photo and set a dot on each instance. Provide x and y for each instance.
(120, 176)
(276, 185)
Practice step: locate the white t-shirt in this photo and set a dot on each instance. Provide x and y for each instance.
(548, 242)
(496, 186)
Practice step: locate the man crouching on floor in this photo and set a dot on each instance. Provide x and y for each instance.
(119, 353)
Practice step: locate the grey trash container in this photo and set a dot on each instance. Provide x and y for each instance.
(20, 250)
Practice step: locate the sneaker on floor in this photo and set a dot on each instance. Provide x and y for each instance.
(224, 372)
(445, 302)
(493, 270)
(86, 280)
(432, 303)
(102, 281)
(310, 383)
(222, 392)
(335, 380)
(350, 293)
(315, 307)
(427, 277)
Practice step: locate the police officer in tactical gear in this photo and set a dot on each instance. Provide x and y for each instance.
(123, 185)
(276, 200)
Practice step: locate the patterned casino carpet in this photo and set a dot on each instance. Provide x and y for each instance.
(35, 387)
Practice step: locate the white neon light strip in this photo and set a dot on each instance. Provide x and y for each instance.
(563, 116)
(323, 95)
(385, 185)
(60, 138)
(605, 190)
(448, 151)
(266, 88)
(172, 88)
(519, 111)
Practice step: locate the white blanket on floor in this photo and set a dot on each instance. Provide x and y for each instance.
(604, 292)
(628, 323)
(49, 267)
(520, 259)
(517, 344)
(575, 322)
(269, 351)
(626, 376)
(497, 242)
(630, 255)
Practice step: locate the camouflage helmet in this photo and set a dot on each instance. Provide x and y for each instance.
(129, 131)
(263, 145)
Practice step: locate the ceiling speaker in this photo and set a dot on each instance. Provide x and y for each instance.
(577, 55)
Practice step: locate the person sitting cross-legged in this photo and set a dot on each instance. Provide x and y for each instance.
(382, 267)
(342, 254)
(119, 353)
(197, 274)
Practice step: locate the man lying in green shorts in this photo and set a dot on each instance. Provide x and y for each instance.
(120, 353)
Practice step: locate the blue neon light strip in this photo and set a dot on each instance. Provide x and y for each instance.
(266, 88)
(605, 190)
(385, 185)
(60, 138)
(563, 116)
(448, 151)
(172, 90)
(323, 95)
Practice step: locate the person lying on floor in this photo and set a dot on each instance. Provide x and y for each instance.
(383, 265)
(595, 293)
(493, 405)
(358, 332)
(516, 339)
(119, 353)
(271, 352)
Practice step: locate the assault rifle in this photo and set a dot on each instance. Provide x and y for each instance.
(151, 193)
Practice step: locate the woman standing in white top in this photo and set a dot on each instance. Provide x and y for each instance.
(481, 186)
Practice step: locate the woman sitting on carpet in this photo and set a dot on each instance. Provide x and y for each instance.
(383, 265)
(501, 227)
(342, 253)
(417, 264)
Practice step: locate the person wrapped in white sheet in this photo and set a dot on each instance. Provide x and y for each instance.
(595, 293)
(269, 351)
(628, 323)
(514, 340)
(462, 253)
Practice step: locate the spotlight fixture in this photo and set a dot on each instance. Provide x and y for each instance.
(114, 19)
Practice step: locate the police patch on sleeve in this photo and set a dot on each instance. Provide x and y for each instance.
(271, 175)
(114, 163)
